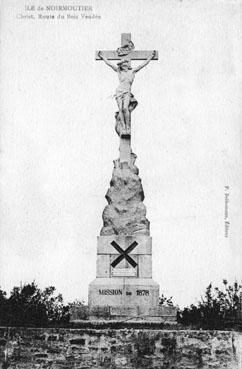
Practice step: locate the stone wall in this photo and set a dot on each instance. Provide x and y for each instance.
(116, 349)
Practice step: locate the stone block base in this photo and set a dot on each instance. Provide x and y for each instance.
(124, 297)
(160, 314)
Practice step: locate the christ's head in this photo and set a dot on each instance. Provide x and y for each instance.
(124, 65)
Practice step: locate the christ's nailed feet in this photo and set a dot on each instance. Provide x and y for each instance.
(125, 134)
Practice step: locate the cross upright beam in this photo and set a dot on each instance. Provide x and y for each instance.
(133, 55)
(125, 38)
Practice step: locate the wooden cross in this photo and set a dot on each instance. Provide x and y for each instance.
(125, 140)
(133, 55)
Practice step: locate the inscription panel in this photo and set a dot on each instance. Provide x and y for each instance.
(143, 292)
(113, 292)
(123, 269)
(124, 272)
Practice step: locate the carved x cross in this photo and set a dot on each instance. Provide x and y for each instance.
(124, 254)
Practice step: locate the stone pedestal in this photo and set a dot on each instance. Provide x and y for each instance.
(123, 286)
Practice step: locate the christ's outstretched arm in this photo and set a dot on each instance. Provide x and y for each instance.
(114, 67)
(145, 62)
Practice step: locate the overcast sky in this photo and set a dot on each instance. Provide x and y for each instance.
(58, 141)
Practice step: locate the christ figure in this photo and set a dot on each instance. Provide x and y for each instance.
(123, 92)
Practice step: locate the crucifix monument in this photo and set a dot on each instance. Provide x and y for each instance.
(125, 99)
(124, 287)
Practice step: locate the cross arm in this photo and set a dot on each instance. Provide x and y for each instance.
(111, 65)
(131, 247)
(146, 62)
(117, 261)
(134, 55)
(117, 247)
(124, 256)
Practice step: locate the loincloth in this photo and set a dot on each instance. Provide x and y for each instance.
(132, 103)
(122, 95)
